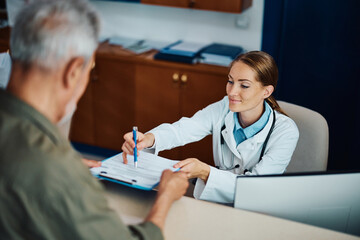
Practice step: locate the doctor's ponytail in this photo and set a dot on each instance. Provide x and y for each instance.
(266, 72)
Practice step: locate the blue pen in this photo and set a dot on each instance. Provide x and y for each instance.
(135, 148)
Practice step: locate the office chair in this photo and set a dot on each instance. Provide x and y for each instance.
(311, 153)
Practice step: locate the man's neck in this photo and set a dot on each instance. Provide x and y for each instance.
(36, 88)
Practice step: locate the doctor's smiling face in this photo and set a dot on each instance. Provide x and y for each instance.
(245, 92)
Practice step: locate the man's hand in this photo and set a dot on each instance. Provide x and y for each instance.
(172, 187)
(194, 168)
(143, 141)
(91, 163)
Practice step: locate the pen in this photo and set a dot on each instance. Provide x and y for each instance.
(135, 149)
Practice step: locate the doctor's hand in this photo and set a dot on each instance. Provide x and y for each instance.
(194, 168)
(143, 141)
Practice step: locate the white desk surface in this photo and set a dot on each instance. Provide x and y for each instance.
(193, 219)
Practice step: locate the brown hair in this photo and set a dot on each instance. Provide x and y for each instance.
(266, 72)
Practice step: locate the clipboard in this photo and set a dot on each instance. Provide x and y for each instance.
(145, 177)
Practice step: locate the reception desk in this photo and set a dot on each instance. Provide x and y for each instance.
(193, 219)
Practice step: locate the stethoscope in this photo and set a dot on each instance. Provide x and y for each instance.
(233, 165)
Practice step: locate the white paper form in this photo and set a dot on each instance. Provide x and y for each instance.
(146, 176)
(189, 46)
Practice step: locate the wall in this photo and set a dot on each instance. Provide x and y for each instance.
(171, 24)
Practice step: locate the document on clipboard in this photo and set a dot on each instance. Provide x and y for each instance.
(146, 176)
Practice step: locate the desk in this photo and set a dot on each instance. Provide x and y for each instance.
(193, 219)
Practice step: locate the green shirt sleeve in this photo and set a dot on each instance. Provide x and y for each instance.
(148, 230)
(76, 204)
(45, 190)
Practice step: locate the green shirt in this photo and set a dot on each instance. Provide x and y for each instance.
(45, 190)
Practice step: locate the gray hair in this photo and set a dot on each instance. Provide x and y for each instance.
(47, 33)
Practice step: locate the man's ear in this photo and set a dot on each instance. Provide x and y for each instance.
(73, 71)
(268, 91)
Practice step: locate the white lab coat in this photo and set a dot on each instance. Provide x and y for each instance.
(220, 186)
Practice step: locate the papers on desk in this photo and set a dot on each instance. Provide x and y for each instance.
(146, 176)
(135, 45)
(182, 48)
(131, 44)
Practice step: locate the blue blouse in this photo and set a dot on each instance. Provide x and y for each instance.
(241, 134)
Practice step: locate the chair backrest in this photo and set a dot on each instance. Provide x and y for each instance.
(311, 153)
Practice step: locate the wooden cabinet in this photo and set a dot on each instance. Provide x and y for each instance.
(82, 124)
(233, 6)
(165, 94)
(157, 100)
(4, 39)
(106, 110)
(113, 105)
(137, 90)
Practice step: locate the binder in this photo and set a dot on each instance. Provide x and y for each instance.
(220, 54)
(180, 51)
(176, 58)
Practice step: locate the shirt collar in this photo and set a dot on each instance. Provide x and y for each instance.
(256, 127)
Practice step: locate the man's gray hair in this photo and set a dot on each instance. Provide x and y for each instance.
(47, 33)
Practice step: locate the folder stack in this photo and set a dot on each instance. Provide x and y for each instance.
(220, 54)
(180, 51)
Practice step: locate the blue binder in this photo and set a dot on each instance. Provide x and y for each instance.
(169, 53)
(220, 54)
(225, 50)
(176, 58)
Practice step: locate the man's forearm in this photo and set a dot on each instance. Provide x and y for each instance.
(172, 186)
(160, 210)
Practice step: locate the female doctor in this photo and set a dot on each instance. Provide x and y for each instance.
(251, 133)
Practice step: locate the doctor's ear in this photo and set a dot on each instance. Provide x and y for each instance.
(268, 90)
(73, 71)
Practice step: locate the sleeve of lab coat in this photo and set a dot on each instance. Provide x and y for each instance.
(220, 187)
(188, 130)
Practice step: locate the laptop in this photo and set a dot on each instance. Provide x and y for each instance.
(328, 200)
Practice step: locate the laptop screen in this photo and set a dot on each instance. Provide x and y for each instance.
(329, 200)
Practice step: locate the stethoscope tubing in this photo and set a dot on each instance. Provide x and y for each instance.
(222, 142)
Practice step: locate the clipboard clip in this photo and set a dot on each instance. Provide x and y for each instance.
(106, 175)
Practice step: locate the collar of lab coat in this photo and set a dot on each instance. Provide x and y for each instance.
(228, 135)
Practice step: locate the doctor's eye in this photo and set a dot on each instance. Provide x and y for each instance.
(245, 86)
(230, 82)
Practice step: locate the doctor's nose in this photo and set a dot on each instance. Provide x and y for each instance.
(232, 90)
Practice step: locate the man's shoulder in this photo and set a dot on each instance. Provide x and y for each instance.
(41, 165)
(30, 156)
(50, 175)
(27, 137)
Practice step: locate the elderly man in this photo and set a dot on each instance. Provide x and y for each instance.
(45, 190)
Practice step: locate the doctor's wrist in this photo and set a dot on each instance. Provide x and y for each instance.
(205, 172)
(150, 140)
